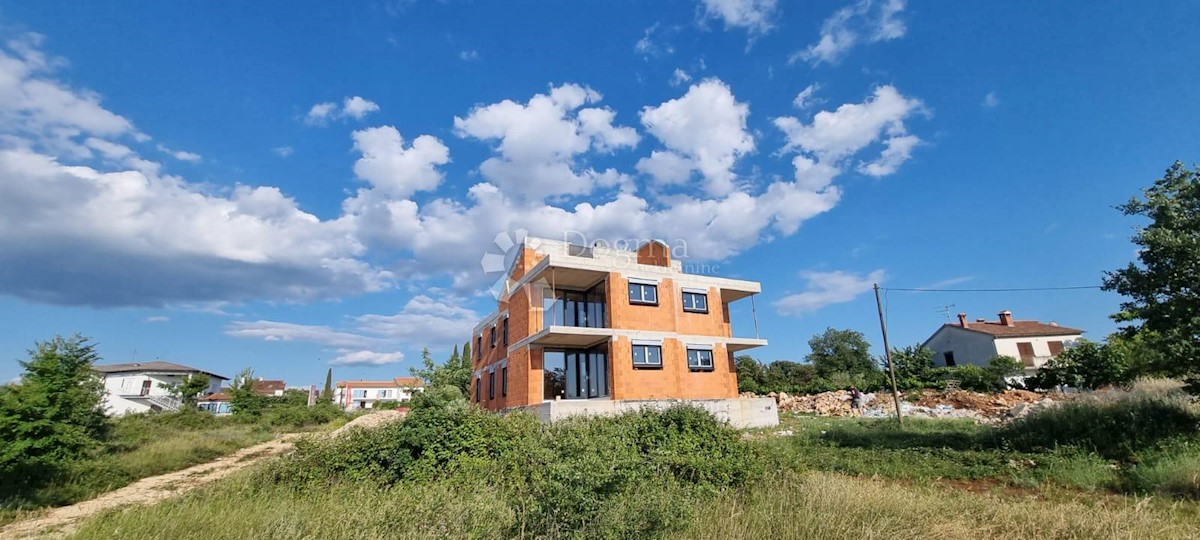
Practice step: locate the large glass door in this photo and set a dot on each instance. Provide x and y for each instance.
(574, 373)
(574, 308)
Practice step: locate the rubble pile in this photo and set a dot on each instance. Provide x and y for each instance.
(924, 404)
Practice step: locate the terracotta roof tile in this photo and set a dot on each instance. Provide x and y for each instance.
(1019, 329)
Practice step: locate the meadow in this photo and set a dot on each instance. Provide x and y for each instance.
(1116, 466)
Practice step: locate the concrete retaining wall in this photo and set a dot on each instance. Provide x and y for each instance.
(740, 413)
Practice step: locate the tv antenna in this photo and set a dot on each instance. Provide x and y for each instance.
(945, 310)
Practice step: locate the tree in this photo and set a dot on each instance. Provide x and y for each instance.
(327, 392)
(1164, 298)
(749, 373)
(243, 398)
(1086, 365)
(189, 388)
(455, 372)
(788, 376)
(844, 351)
(914, 367)
(466, 352)
(54, 414)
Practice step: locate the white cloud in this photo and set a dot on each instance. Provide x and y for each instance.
(753, 15)
(283, 151)
(827, 288)
(991, 100)
(181, 155)
(537, 142)
(706, 126)
(156, 319)
(397, 170)
(137, 236)
(467, 56)
(949, 282)
(355, 107)
(870, 20)
(805, 98)
(897, 150)
(367, 358)
(679, 77)
(650, 46)
(835, 135)
(320, 113)
(372, 338)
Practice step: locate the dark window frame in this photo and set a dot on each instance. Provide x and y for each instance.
(694, 309)
(479, 347)
(478, 389)
(699, 365)
(491, 385)
(504, 380)
(641, 300)
(492, 338)
(646, 364)
(505, 323)
(948, 359)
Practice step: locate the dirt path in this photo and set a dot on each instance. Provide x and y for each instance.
(59, 522)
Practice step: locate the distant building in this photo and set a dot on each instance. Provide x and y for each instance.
(598, 330)
(144, 386)
(368, 394)
(218, 402)
(1032, 342)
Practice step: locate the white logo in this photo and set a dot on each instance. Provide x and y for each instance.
(498, 259)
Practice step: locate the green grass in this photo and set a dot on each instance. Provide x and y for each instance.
(458, 473)
(141, 446)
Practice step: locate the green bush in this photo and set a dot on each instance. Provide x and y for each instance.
(567, 479)
(1115, 429)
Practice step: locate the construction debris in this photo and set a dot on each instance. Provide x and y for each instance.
(925, 404)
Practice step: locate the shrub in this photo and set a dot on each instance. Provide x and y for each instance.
(1114, 429)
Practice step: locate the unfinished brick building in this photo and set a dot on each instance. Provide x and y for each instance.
(595, 330)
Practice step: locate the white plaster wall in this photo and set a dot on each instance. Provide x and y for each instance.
(968, 347)
(1041, 346)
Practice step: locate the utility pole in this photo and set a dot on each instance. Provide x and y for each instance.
(887, 353)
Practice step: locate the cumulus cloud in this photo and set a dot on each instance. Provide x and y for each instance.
(537, 142)
(867, 20)
(181, 155)
(755, 16)
(707, 128)
(354, 107)
(825, 289)
(394, 169)
(653, 42)
(833, 136)
(120, 232)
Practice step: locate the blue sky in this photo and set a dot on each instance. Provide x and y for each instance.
(288, 185)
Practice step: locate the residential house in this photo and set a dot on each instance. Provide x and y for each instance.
(1032, 342)
(218, 403)
(354, 395)
(581, 330)
(145, 386)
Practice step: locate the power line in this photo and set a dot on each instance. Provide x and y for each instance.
(1015, 289)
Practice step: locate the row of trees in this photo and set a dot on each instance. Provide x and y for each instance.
(842, 358)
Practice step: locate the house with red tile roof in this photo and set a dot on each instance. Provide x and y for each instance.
(367, 394)
(975, 342)
(218, 402)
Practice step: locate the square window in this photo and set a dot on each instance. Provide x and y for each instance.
(695, 302)
(643, 293)
(647, 356)
(700, 359)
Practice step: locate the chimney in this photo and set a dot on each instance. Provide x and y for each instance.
(962, 320)
(1006, 318)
